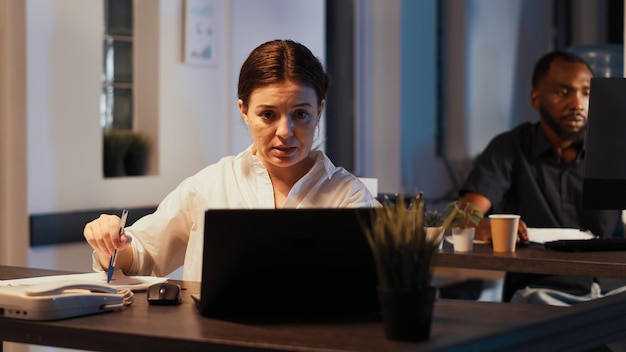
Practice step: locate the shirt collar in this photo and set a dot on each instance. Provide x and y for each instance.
(321, 160)
(542, 146)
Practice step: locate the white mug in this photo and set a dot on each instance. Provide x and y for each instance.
(463, 239)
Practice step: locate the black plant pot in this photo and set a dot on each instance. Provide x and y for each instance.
(135, 165)
(113, 167)
(407, 315)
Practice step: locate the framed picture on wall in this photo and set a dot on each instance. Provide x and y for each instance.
(200, 21)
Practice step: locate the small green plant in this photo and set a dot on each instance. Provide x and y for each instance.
(433, 218)
(466, 214)
(402, 251)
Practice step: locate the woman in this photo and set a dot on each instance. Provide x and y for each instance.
(282, 90)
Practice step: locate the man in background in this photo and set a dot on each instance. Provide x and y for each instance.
(536, 170)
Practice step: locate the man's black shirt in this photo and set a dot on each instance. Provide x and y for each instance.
(520, 172)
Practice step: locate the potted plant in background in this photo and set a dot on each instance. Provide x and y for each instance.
(404, 261)
(115, 145)
(136, 158)
(466, 217)
(433, 222)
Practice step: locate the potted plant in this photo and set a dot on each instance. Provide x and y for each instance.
(136, 158)
(433, 221)
(465, 219)
(404, 259)
(433, 218)
(115, 143)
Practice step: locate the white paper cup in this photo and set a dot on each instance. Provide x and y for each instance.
(463, 239)
(504, 231)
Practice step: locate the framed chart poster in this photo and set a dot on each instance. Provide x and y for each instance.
(201, 28)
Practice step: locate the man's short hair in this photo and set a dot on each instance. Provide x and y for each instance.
(543, 65)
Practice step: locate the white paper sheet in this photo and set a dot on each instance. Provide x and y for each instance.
(542, 235)
(450, 240)
(119, 280)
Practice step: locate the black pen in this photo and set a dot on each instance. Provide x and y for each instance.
(114, 256)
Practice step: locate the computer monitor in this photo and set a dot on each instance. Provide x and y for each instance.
(604, 183)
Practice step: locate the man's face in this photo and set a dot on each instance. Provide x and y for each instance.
(562, 99)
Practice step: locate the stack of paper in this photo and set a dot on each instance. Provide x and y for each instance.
(542, 235)
(119, 281)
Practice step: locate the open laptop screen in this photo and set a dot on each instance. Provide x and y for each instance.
(287, 263)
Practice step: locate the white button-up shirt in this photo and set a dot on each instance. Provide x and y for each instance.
(173, 235)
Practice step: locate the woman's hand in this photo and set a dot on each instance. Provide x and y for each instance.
(102, 235)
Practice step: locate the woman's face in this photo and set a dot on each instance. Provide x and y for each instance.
(282, 118)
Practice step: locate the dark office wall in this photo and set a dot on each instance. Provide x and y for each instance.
(609, 22)
(340, 104)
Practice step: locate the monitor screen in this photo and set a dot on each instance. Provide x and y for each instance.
(604, 184)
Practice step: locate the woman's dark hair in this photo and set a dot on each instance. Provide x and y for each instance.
(543, 65)
(278, 61)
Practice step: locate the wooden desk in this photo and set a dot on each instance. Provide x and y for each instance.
(458, 326)
(536, 259)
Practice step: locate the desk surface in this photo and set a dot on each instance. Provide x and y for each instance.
(536, 259)
(457, 325)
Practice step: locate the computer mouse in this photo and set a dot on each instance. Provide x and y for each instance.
(164, 294)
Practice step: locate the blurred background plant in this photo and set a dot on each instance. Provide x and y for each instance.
(465, 215)
(433, 218)
(125, 153)
(136, 158)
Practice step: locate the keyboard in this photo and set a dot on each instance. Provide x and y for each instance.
(588, 245)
